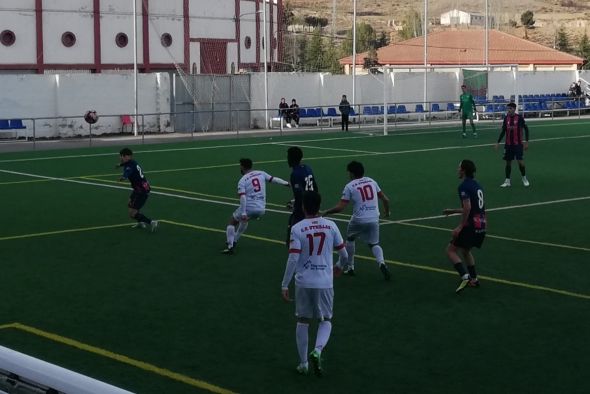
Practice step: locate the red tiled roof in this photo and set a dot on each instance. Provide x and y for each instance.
(467, 47)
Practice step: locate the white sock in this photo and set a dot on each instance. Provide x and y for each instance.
(230, 232)
(324, 330)
(350, 247)
(241, 229)
(378, 253)
(301, 337)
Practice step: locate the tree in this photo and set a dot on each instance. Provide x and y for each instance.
(288, 15)
(315, 53)
(381, 40)
(563, 41)
(412, 25)
(584, 50)
(528, 19)
(371, 60)
(365, 39)
(331, 56)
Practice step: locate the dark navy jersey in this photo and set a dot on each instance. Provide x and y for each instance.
(470, 190)
(302, 180)
(133, 172)
(513, 127)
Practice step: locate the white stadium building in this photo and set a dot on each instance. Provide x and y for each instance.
(96, 36)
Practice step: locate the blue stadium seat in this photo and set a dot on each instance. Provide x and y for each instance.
(419, 108)
(489, 108)
(302, 112)
(17, 124)
(332, 112)
(4, 124)
(367, 111)
(401, 109)
(435, 108)
(375, 110)
(450, 107)
(391, 109)
(352, 113)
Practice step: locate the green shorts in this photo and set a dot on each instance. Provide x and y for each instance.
(466, 115)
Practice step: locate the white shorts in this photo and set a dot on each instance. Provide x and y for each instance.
(252, 214)
(367, 232)
(314, 303)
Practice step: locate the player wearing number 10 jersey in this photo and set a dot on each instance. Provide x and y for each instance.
(252, 193)
(471, 230)
(364, 193)
(313, 240)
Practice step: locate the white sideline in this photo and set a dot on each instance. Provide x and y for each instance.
(53, 376)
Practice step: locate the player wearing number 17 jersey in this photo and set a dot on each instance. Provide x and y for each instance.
(252, 193)
(313, 240)
(364, 193)
(471, 231)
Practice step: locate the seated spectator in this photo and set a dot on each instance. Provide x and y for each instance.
(283, 108)
(293, 114)
(579, 88)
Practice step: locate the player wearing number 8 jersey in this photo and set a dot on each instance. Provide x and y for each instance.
(252, 193)
(364, 193)
(312, 242)
(471, 230)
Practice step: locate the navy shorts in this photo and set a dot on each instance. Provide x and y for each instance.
(468, 238)
(512, 152)
(137, 200)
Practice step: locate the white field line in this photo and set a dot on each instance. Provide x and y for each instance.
(287, 142)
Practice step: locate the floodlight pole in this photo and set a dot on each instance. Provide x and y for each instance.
(425, 32)
(265, 44)
(354, 52)
(487, 38)
(136, 98)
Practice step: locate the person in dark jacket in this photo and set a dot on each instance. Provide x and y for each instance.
(344, 108)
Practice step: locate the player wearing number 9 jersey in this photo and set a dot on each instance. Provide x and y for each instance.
(471, 230)
(252, 193)
(364, 193)
(312, 243)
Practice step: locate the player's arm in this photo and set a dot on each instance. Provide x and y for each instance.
(277, 180)
(385, 202)
(339, 247)
(460, 104)
(473, 104)
(294, 253)
(464, 216)
(337, 208)
(526, 133)
(243, 213)
(502, 133)
(125, 175)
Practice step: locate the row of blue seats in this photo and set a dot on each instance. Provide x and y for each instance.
(11, 124)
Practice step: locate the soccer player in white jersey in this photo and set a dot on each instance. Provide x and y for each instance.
(364, 194)
(310, 259)
(252, 192)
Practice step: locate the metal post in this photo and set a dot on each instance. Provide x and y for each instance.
(354, 52)
(136, 97)
(264, 40)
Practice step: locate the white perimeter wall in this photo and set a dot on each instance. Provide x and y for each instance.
(117, 17)
(23, 25)
(37, 96)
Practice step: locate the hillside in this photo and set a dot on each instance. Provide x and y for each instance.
(549, 15)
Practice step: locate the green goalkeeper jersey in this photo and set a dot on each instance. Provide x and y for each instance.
(467, 103)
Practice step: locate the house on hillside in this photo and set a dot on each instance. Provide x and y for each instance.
(467, 48)
(457, 17)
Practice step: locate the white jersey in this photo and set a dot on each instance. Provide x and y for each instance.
(362, 192)
(314, 240)
(253, 186)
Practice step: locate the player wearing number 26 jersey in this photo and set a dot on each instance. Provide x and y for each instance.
(364, 194)
(252, 193)
(312, 243)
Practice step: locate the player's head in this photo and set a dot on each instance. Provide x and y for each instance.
(466, 169)
(282, 99)
(464, 87)
(245, 165)
(126, 155)
(294, 101)
(343, 97)
(511, 108)
(355, 169)
(294, 156)
(311, 203)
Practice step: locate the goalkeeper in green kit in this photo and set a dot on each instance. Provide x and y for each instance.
(467, 109)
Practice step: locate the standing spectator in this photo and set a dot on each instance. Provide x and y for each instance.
(302, 180)
(313, 241)
(293, 114)
(467, 109)
(579, 88)
(344, 108)
(514, 146)
(141, 189)
(364, 193)
(471, 231)
(252, 192)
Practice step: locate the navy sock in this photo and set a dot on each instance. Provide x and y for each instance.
(472, 273)
(460, 269)
(141, 218)
(508, 170)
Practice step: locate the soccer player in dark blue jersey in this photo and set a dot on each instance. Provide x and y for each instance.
(515, 144)
(302, 180)
(141, 189)
(471, 231)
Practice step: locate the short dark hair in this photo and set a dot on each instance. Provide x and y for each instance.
(511, 105)
(356, 168)
(126, 152)
(293, 100)
(311, 202)
(246, 163)
(468, 167)
(463, 86)
(294, 156)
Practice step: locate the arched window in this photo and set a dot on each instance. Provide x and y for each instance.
(7, 37)
(166, 40)
(68, 39)
(121, 40)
